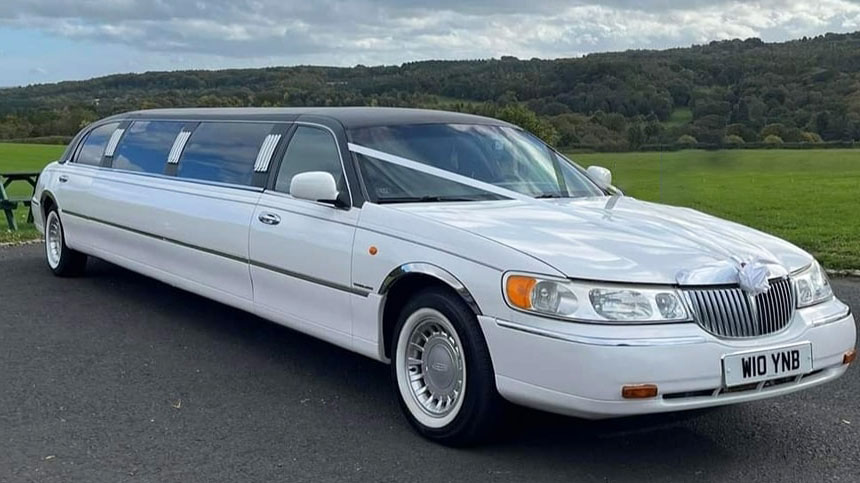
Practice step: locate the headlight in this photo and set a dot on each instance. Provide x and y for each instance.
(594, 302)
(813, 287)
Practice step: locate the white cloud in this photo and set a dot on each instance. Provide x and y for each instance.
(344, 32)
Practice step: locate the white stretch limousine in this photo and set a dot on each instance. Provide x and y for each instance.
(482, 264)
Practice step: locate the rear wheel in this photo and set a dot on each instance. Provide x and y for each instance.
(62, 260)
(442, 369)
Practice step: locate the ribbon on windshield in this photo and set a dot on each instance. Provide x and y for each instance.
(440, 173)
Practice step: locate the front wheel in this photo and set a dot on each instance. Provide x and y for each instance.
(62, 260)
(442, 369)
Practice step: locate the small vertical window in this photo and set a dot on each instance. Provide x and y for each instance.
(94, 145)
(145, 146)
(223, 152)
(310, 149)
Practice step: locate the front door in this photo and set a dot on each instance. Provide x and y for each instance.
(301, 250)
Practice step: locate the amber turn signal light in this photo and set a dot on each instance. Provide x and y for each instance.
(519, 291)
(849, 356)
(639, 391)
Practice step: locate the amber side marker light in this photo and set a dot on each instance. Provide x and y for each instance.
(519, 290)
(849, 356)
(639, 391)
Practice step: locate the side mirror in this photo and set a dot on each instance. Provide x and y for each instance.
(315, 186)
(601, 176)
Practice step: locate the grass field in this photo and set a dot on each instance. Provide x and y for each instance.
(810, 197)
(23, 157)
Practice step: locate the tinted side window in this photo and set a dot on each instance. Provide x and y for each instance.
(310, 149)
(94, 146)
(223, 151)
(145, 146)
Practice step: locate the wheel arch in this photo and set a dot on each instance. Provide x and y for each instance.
(46, 202)
(410, 278)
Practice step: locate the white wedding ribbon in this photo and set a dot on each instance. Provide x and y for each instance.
(440, 173)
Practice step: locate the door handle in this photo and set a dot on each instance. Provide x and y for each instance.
(269, 218)
(63, 178)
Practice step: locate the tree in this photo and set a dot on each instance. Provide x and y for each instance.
(528, 120)
(773, 139)
(810, 137)
(687, 140)
(709, 92)
(635, 136)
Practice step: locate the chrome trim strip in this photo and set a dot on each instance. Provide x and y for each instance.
(267, 149)
(829, 319)
(311, 279)
(435, 272)
(157, 237)
(271, 268)
(178, 146)
(110, 149)
(800, 270)
(729, 312)
(106, 171)
(602, 341)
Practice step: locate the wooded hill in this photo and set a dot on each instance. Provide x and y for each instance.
(727, 93)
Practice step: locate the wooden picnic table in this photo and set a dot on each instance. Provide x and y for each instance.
(8, 204)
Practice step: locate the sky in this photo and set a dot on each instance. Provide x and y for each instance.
(52, 40)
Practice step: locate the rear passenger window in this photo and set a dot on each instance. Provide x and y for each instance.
(223, 151)
(94, 146)
(310, 149)
(145, 146)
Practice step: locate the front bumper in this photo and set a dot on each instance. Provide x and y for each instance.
(579, 369)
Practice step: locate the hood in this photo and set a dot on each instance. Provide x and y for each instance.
(618, 238)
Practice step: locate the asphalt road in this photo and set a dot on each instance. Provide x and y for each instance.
(117, 377)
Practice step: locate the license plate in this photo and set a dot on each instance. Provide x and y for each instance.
(756, 366)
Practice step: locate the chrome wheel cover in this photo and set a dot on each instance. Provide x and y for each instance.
(53, 239)
(431, 368)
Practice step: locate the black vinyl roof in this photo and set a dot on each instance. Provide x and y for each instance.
(349, 117)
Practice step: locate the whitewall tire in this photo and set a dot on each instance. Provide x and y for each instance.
(62, 260)
(442, 369)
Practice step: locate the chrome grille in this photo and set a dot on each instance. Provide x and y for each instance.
(730, 312)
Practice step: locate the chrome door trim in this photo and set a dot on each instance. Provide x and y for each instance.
(311, 279)
(104, 171)
(300, 276)
(157, 237)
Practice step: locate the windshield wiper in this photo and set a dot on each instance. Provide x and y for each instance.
(425, 199)
(551, 195)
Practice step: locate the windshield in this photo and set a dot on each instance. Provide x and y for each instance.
(505, 157)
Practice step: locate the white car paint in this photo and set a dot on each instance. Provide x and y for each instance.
(612, 239)
(322, 270)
